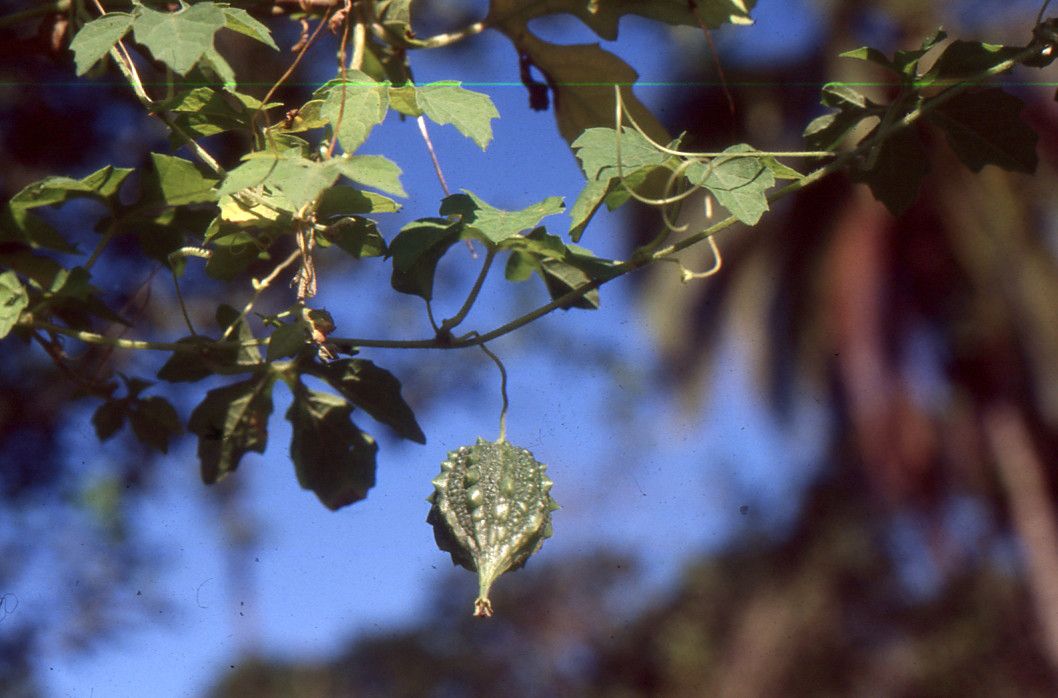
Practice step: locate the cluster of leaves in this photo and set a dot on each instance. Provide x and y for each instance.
(982, 126)
(304, 186)
(289, 183)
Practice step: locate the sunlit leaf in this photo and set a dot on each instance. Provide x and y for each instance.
(470, 112)
(238, 19)
(178, 39)
(497, 224)
(740, 184)
(13, 300)
(181, 181)
(366, 102)
(97, 37)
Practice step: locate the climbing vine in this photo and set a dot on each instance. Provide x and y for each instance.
(302, 190)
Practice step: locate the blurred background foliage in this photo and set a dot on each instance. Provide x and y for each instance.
(923, 560)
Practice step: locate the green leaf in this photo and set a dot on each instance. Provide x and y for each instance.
(495, 224)
(985, 128)
(232, 254)
(404, 99)
(781, 171)
(287, 339)
(205, 111)
(216, 67)
(181, 181)
(97, 37)
(520, 266)
(154, 421)
(37, 269)
(366, 102)
(239, 20)
(587, 203)
(357, 236)
(838, 96)
(230, 422)
(961, 59)
(13, 300)
(907, 60)
(192, 366)
(300, 180)
(179, 39)
(343, 200)
(308, 117)
(738, 183)
(246, 355)
(373, 171)
(416, 251)
(374, 390)
(109, 418)
(871, 55)
(470, 112)
(561, 278)
(596, 149)
(539, 243)
(899, 168)
(102, 184)
(331, 455)
(19, 225)
(824, 132)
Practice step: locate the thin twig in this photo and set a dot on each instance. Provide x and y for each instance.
(259, 288)
(433, 154)
(344, 77)
(286, 75)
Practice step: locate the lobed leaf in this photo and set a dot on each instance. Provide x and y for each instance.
(449, 103)
(603, 17)
(230, 422)
(416, 251)
(239, 20)
(373, 171)
(332, 456)
(494, 224)
(985, 128)
(366, 102)
(739, 184)
(96, 38)
(154, 422)
(898, 169)
(179, 39)
(287, 340)
(597, 150)
(181, 182)
(357, 236)
(374, 390)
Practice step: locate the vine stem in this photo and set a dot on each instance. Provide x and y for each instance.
(503, 391)
(259, 288)
(472, 297)
(344, 75)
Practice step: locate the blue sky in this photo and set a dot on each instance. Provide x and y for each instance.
(320, 577)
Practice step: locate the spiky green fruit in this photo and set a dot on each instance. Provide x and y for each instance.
(491, 510)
